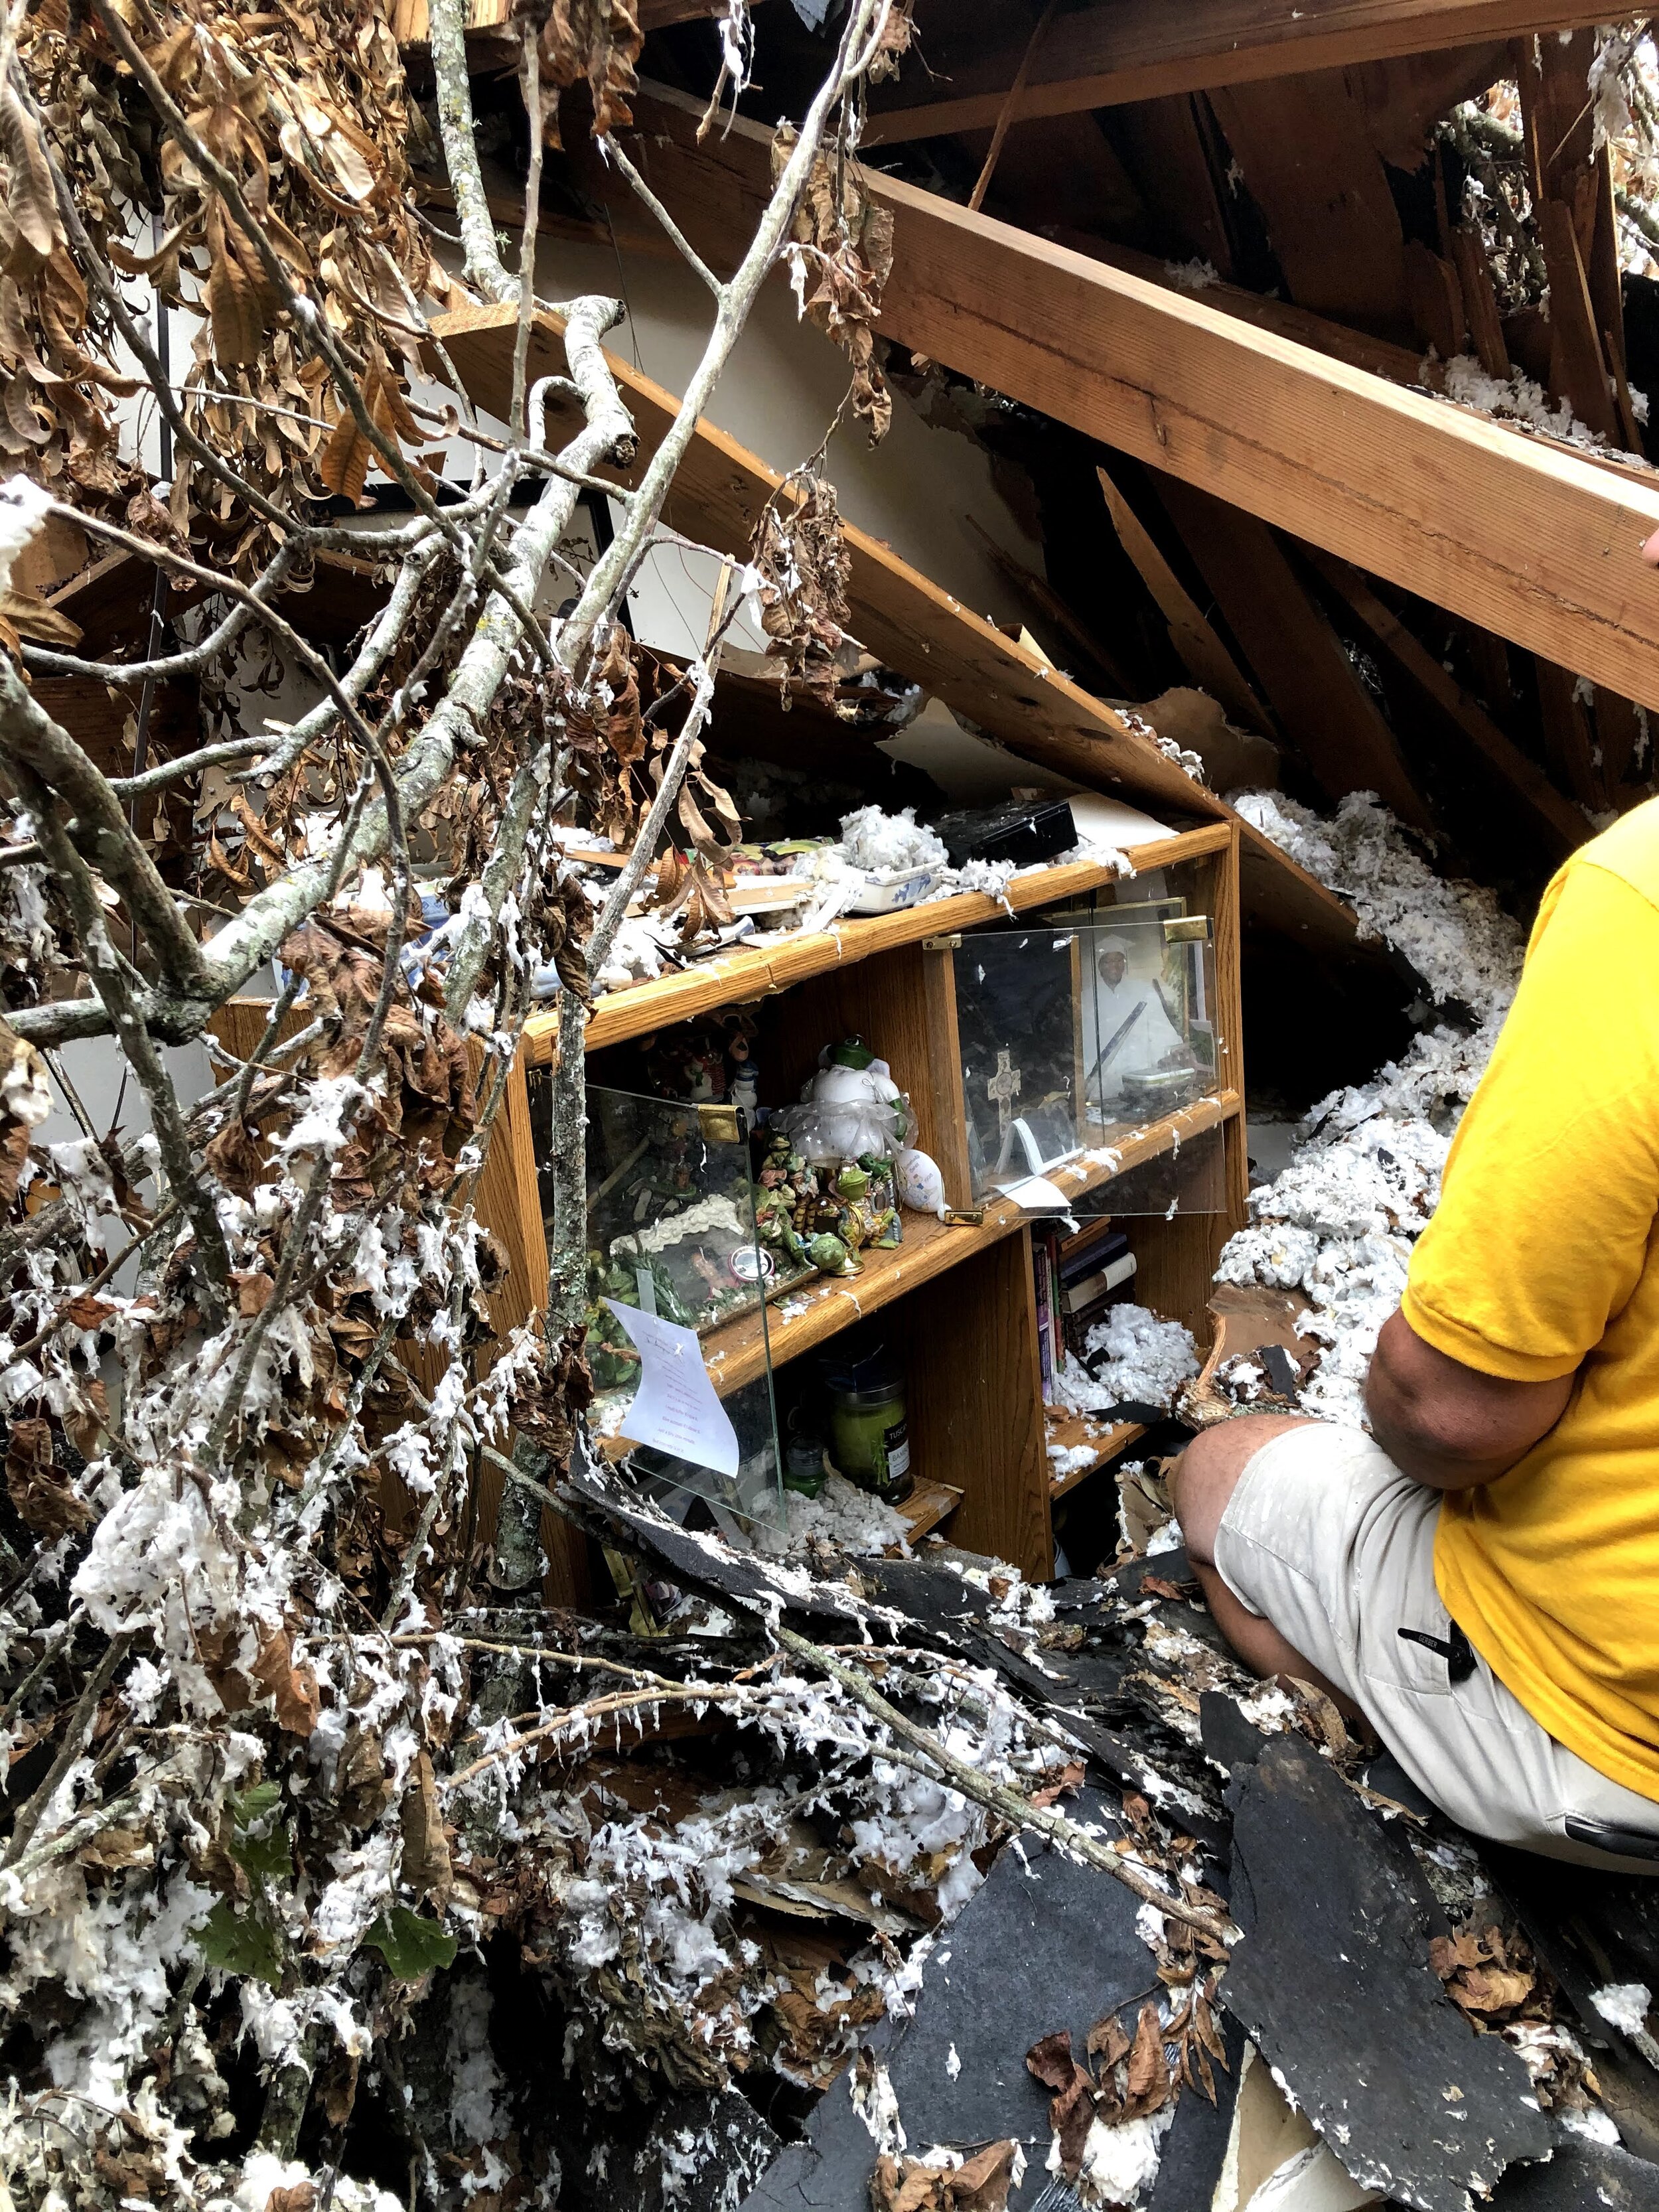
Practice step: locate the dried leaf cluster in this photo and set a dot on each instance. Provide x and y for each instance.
(592, 43)
(841, 257)
(800, 556)
(304, 108)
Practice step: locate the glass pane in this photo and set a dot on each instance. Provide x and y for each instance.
(671, 1235)
(1076, 1037)
(754, 1494)
(1189, 1178)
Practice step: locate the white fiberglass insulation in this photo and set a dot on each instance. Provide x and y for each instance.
(1146, 1360)
(1339, 1222)
(842, 1514)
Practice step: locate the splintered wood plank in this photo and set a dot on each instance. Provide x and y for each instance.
(906, 621)
(1619, 728)
(1169, 155)
(1579, 370)
(1297, 656)
(1324, 193)
(1535, 542)
(928, 1506)
(1480, 302)
(1572, 191)
(1435, 294)
(1562, 824)
(1208, 661)
(1136, 50)
(1569, 736)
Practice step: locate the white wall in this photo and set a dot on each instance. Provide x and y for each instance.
(916, 491)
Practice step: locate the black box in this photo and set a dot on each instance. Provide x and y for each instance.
(1023, 831)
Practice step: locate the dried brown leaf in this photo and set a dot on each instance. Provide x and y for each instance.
(292, 1688)
(1071, 2106)
(1147, 2086)
(234, 1157)
(426, 1863)
(39, 1488)
(294, 2196)
(31, 203)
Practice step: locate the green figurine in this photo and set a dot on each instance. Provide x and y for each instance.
(612, 1359)
(830, 1256)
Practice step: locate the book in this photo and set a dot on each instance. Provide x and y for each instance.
(1074, 1297)
(1088, 1249)
(1042, 1271)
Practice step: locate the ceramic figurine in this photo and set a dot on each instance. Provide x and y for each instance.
(743, 1082)
(861, 1222)
(830, 1256)
(851, 1106)
(612, 1359)
(920, 1185)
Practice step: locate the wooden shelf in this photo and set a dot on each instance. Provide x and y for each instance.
(1070, 1431)
(775, 963)
(928, 1504)
(808, 1317)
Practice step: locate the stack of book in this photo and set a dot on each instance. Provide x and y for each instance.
(1077, 1278)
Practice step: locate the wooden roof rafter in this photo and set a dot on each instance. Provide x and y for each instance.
(1119, 51)
(1536, 542)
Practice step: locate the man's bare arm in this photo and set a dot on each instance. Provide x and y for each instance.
(1447, 1426)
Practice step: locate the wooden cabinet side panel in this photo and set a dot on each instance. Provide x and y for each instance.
(974, 1396)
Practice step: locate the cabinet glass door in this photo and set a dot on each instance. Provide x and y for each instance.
(677, 1285)
(1077, 1039)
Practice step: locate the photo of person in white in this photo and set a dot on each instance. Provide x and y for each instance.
(1127, 1029)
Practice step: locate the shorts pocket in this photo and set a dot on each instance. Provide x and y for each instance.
(1428, 1655)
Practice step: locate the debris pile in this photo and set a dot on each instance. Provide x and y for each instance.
(1338, 1223)
(969, 2010)
(775, 887)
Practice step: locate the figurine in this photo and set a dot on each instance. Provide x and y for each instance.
(612, 1359)
(884, 1198)
(920, 1185)
(781, 1187)
(861, 1222)
(742, 1086)
(830, 1256)
(850, 1107)
(706, 1062)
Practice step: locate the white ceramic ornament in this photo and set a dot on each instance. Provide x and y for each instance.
(920, 1185)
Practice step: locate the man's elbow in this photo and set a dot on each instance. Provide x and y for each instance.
(1438, 1444)
(1445, 1424)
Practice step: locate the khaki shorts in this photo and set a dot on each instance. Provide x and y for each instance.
(1325, 1538)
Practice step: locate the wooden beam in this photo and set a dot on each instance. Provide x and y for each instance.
(906, 621)
(1534, 542)
(1311, 685)
(1208, 661)
(1324, 195)
(1562, 825)
(1133, 50)
(1569, 735)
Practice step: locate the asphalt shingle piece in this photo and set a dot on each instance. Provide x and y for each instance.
(1332, 1982)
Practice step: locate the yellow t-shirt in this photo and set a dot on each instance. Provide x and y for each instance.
(1543, 1258)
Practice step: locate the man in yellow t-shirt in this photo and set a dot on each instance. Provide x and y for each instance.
(1479, 1576)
